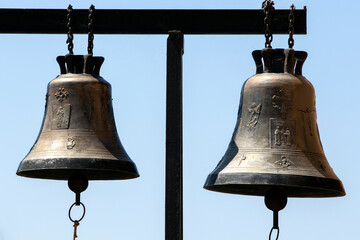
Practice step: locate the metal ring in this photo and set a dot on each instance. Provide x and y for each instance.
(277, 235)
(83, 215)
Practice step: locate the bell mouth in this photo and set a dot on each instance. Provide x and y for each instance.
(93, 169)
(256, 184)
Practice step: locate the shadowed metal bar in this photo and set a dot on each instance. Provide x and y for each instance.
(152, 21)
(174, 158)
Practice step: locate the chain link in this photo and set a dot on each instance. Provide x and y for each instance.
(291, 26)
(90, 27)
(268, 6)
(70, 36)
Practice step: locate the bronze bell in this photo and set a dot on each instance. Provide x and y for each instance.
(276, 140)
(78, 133)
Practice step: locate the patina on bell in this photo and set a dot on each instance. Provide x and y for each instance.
(276, 141)
(78, 134)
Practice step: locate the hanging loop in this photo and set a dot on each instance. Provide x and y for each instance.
(291, 26)
(82, 216)
(90, 28)
(70, 36)
(277, 235)
(76, 222)
(268, 6)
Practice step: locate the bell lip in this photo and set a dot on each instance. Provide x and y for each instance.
(256, 184)
(93, 169)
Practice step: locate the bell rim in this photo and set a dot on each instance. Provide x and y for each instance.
(92, 168)
(255, 184)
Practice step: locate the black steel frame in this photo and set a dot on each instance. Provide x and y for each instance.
(48, 21)
(175, 23)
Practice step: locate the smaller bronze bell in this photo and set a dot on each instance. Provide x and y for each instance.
(78, 134)
(276, 140)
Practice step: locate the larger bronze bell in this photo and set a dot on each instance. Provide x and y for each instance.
(276, 140)
(78, 134)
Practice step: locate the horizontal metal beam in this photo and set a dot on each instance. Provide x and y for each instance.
(53, 21)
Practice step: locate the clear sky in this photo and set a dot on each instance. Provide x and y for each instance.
(215, 67)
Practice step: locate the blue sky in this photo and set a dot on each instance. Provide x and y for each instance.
(215, 67)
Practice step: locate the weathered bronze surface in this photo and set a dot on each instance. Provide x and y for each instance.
(78, 134)
(276, 140)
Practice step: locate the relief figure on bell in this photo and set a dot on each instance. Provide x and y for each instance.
(284, 162)
(282, 133)
(277, 135)
(282, 136)
(60, 117)
(254, 111)
(286, 136)
(282, 102)
(242, 158)
(70, 143)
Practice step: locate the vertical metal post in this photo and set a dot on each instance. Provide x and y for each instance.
(174, 178)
